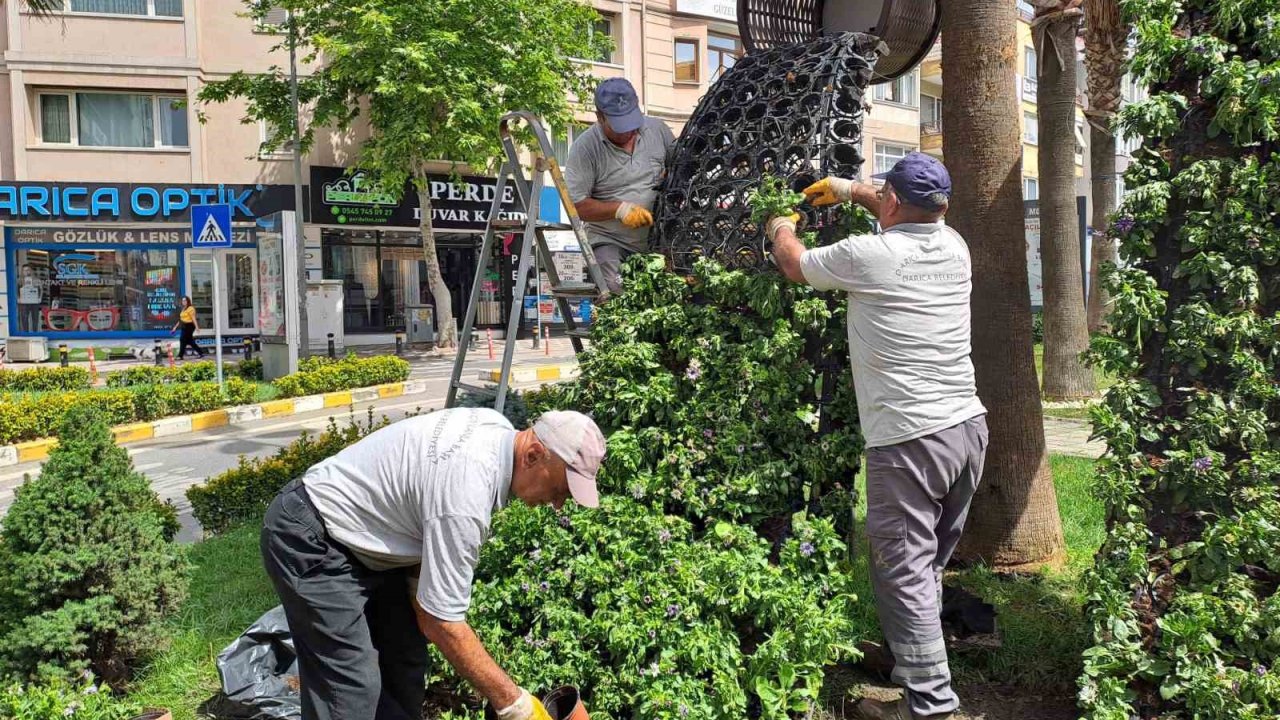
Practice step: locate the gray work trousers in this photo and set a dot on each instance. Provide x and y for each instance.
(360, 653)
(918, 495)
(610, 259)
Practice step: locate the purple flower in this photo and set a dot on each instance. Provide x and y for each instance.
(664, 536)
(648, 599)
(708, 433)
(673, 610)
(1200, 48)
(637, 492)
(1123, 224)
(524, 587)
(1260, 670)
(1235, 686)
(652, 634)
(684, 711)
(1265, 80)
(741, 448)
(564, 521)
(536, 554)
(694, 371)
(528, 639)
(91, 690)
(1202, 464)
(544, 586)
(806, 549)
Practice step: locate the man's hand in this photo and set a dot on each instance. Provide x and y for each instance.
(776, 224)
(829, 191)
(527, 707)
(633, 216)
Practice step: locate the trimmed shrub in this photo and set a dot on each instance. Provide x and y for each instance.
(1184, 597)
(44, 379)
(203, 371)
(320, 374)
(87, 575)
(249, 369)
(58, 699)
(29, 418)
(243, 493)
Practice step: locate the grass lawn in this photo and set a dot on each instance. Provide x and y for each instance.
(1039, 613)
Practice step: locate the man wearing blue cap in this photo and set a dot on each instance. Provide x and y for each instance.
(613, 173)
(925, 428)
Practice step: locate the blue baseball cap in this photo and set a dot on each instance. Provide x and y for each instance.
(921, 180)
(616, 100)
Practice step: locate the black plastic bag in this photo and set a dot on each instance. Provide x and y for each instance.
(259, 674)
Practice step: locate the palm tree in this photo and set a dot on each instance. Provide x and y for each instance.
(1105, 42)
(1015, 516)
(43, 7)
(1066, 328)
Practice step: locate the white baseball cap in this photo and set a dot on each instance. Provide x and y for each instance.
(575, 439)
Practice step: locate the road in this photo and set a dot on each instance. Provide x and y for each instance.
(174, 464)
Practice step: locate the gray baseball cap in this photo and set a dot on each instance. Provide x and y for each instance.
(616, 99)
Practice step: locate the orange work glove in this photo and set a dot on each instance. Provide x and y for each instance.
(829, 191)
(527, 707)
(633, 216)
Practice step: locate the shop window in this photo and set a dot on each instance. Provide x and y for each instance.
(722, 52)
(89, 291)
(1030, 128)
(686, 57)
(110, 119)
(152, 8)
(887, 155)
(901, 91)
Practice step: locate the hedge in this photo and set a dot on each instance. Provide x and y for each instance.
(190, 372)
(243, 493)
(321, 375)
(29, 418)
(44, 379)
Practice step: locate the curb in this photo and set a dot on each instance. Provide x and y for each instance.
(33, 450)
(532, 373)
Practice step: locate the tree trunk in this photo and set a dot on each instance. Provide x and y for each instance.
(446, 326)
(1105, 48)
(1066, 328)
(1015, 516)
(1102, 163)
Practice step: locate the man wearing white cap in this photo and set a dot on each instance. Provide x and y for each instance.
(384, 537)
(613, 173)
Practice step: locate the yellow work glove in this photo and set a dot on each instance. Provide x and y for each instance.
(527, 707)
(633, 216)
(776, 224)
(829, 191)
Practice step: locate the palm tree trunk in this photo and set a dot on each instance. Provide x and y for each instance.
(1066, 329)
(1015, 516)
(446, 326)
(1102, 165)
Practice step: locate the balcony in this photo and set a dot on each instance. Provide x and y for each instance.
(931, 137)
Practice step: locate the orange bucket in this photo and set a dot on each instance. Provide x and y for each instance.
(564, 703)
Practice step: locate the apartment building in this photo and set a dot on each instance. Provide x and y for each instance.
(102, 154)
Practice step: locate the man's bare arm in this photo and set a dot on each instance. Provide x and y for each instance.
(592, 210)
(464, 651)
(865, 195)
(787, 250)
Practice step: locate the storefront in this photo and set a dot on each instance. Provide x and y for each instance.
(370, 240)
(88, 263)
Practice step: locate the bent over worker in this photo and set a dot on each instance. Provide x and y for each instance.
(613, 173)
(908, 290)
(375, 547)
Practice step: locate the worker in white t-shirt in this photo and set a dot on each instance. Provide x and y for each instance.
(372, 553)
(908, 290)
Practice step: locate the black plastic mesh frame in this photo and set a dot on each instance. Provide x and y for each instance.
(794, 111)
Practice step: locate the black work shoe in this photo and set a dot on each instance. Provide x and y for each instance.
(868, 709)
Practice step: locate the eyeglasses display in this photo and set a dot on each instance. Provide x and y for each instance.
(94, 290)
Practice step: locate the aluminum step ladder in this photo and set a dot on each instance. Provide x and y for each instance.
(528, 195)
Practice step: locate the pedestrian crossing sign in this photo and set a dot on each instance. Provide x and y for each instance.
(211, 226)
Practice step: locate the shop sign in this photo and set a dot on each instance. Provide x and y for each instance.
(131, 202)
(111, 236)
(716, 9)
(342, 198)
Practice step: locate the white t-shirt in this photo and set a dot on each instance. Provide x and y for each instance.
(909, 327)
(420, 491)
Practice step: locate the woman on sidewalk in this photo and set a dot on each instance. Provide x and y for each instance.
(187, 323)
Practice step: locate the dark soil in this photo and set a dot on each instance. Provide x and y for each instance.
(978, 702)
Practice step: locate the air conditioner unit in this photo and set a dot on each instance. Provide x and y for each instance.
(26, 349)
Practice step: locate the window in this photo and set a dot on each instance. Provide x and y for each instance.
(267, 137)
(153, 8)
(107, 119)
(561, 142)
(1031, 65)
(96, 291)
(930, 114)
(722, 52)
(600, 33)
(887, 155)
(1027, 9)
(686, 60)
(901, 91)
(1030, 189)
(1030, 128)
(1080, 142)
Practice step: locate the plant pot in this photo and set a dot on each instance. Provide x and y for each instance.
(564, 703)
(154, 714)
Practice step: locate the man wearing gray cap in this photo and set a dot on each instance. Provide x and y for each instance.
(613, 173)
(925, 428)
(372, 553)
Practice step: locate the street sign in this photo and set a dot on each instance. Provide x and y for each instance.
(211, 226)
